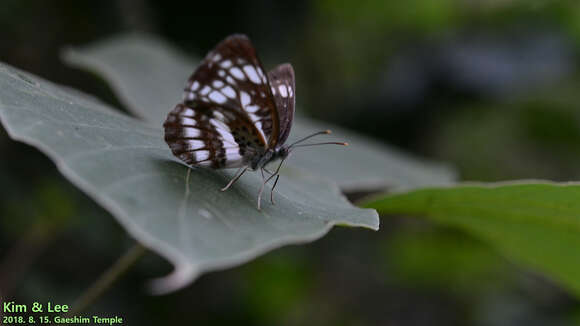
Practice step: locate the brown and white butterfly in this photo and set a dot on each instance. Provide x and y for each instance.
(233, 115)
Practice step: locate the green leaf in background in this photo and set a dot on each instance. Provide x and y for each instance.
(530, 136)
(124, 165)
(537, 224)
(149, 75)
(420, 257)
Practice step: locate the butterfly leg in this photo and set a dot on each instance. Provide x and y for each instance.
(268, 171)
(277, 175)
(272, 190)
(263, 177)
(262, 187)
(235, 178)
(274, 186)
(262, 171)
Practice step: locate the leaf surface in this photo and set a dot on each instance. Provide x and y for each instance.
(124, 165)
(535, 223)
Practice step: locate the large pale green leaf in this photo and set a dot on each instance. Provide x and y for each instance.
(125, 165)
(536, 223)
(149, 75)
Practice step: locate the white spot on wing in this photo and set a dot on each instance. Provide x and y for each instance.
(191, 132)
(229, 92)
(290, 92)
(217, 83)
(227, 137)
(224, 132)
(233, 155)
(283, 90)
(201, 155)
(187, 121)
(252, 74)
(230, 80)
(221, 73)
(258, 125)
(236, 72)
(254, 117)
(205, 90)
(252, 108)
(245, 98)
(217, 97)
(188, 111)
(260, 72)
(218, 115)
(217, 57)
(220, 126)
(226, 64)
(195, 85)
(196, 144)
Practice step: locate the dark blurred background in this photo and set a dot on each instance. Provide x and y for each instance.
(490, 86)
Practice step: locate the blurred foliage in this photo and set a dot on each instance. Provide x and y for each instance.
(533, 137)
(278, 288)
(535, 224)
(439, 258)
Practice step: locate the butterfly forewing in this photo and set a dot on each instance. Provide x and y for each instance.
(232, 77)
(282, 85)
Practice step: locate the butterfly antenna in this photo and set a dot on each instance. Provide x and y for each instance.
(325, 143)
(324, 132)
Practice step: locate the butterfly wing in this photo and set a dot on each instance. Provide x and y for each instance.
(201, 134)
(283, 89)
(231, 76)
(228, 116)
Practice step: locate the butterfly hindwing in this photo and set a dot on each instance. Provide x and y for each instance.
(232, 77)
(283, 89)
(212, 136)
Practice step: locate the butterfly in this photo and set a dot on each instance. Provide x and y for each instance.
(234, 115)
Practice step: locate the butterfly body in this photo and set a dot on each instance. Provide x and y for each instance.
(233, 114)
(269, 156)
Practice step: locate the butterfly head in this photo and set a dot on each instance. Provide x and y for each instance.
(269, 156)
(280, 153)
